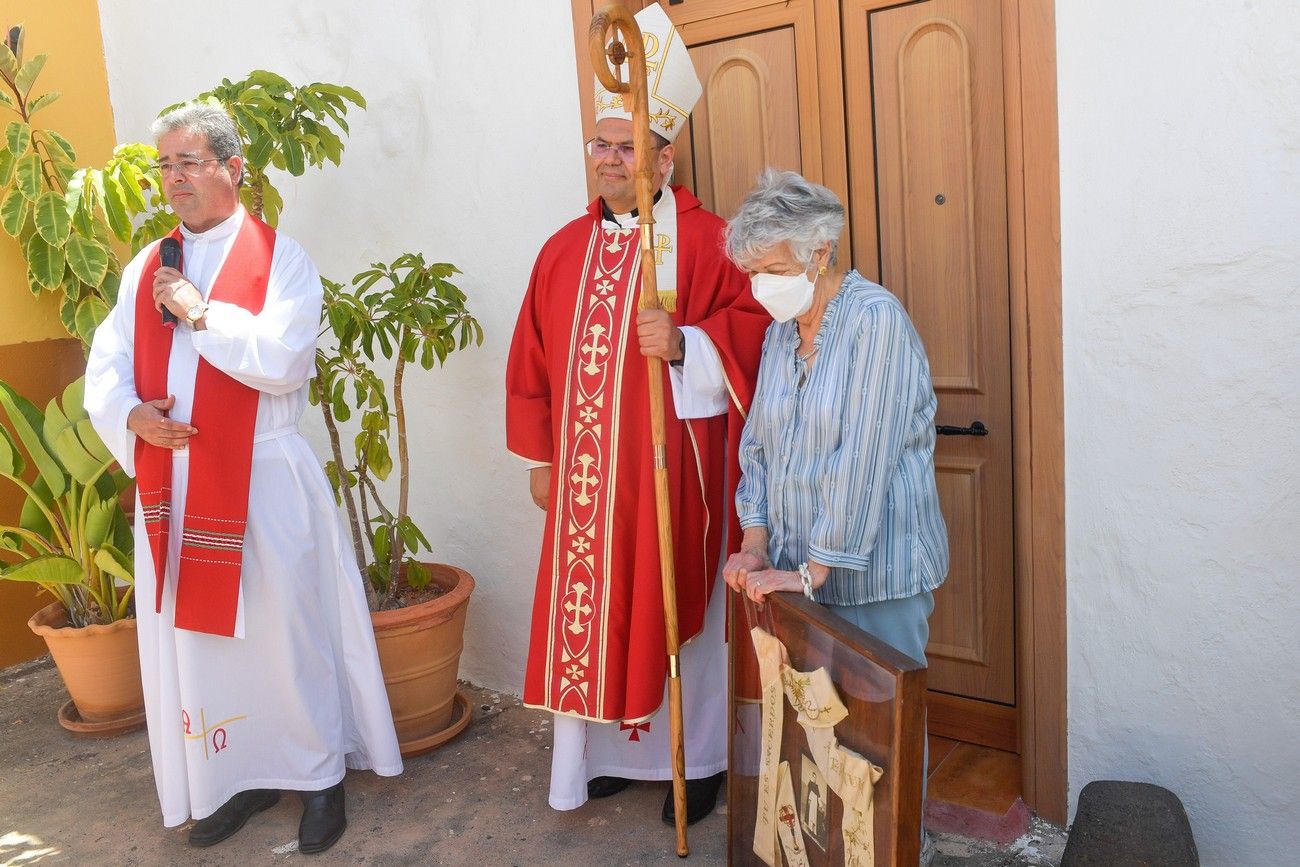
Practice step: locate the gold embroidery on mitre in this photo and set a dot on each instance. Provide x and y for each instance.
(665, 119)
(651, 43)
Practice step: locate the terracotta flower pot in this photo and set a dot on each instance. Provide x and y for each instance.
(419, 651)
(100, 666)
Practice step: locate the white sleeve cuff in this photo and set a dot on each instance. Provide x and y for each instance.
(530, 463)
(699, 386)
(126, 457)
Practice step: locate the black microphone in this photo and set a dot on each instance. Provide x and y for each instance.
(171, 258)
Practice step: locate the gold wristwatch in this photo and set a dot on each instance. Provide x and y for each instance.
(195, 313)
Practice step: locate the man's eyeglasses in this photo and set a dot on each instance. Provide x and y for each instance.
(601, 149)
(187, 167)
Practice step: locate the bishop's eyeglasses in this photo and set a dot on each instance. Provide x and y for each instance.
(601, 149)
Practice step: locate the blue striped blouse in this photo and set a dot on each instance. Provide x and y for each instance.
(840, 467)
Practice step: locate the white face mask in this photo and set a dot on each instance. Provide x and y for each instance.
(784, 296)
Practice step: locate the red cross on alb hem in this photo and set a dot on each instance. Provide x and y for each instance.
(635, 730)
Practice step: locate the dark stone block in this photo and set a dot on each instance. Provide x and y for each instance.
(1122, 824)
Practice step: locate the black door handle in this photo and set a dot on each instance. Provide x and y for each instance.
(976, 429)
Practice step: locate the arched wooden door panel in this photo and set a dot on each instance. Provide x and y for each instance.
(939, 170)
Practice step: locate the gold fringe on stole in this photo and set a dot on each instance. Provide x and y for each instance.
(668, 301)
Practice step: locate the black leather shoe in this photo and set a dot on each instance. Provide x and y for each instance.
(231, 816)
(701, 798)
(324, 819)
(603, 787)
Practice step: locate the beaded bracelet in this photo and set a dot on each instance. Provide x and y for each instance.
(806, 577)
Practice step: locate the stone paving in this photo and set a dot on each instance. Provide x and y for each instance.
(480, 801)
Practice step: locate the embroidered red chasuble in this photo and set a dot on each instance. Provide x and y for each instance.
(221, 457)
(577, 399)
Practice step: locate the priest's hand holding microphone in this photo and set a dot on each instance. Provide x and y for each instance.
(657, 335)
(175, 298)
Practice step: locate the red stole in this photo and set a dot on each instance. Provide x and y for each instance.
(221, 455)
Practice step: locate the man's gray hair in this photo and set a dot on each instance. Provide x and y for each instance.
(785, 206)
(208, 120)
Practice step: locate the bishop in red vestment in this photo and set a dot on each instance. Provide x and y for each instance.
(577, 409)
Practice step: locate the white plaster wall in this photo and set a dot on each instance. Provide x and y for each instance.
(1180, 224)
(1180, 191)
(471, 153)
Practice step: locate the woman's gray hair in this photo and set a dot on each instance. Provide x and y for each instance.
(210, 121)
(785, 207)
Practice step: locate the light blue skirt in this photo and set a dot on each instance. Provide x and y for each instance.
(903, 624)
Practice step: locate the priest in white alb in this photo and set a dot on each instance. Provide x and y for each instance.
(258, 657)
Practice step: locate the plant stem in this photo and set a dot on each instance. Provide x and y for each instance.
(84, 511)
(52, 179)
(124, 602)
(256, 183)
(62, 595)
(103, 594)
(40, 545)
(349, 501)
(55, 525)
(374, 492)
(404, 495)
(363, 476)
(391, 593)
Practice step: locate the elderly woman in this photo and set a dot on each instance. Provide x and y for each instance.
(837, 497)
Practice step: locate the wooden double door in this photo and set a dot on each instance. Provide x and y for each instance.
(897, 107)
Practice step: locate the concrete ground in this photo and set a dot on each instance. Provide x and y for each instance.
(479, 801)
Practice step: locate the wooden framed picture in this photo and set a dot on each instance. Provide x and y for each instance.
(827, 740)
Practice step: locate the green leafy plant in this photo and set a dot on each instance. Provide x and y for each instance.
(76, 227)
(65, 219)
(408, 312)
(72, 534)
(283, 126)
(72, 222)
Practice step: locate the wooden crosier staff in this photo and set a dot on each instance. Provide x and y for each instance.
(628, 47)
